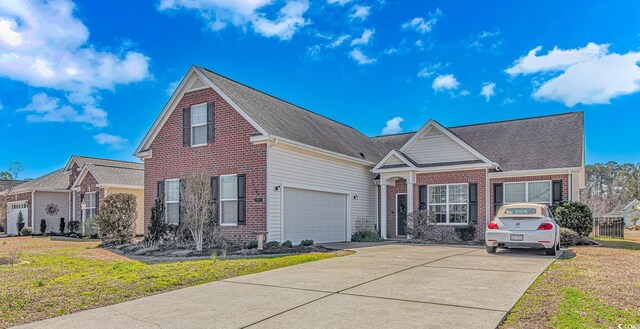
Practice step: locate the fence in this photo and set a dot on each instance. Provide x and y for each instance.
(608, 228)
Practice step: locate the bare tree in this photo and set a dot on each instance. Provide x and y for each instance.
(196, 206)
(420, 223)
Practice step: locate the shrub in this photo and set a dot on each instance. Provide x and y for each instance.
(157, 225)
(366, 236)
(273, 244)
(568, 237)
(287, 244)
(575, 216)
(253, 244)
(62, 225)
(117, 218)
(43, 225)
(74, 226)
(306, 243)
(420, 223)
(26, 231)
(466, 233)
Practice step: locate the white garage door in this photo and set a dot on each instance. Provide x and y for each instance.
(13, 209)
(315, 215)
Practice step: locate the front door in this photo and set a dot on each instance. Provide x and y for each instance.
(401, 213)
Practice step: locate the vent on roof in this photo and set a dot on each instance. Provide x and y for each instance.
(362, 155)
(198, 84)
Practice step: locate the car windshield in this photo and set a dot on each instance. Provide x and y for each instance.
(520, 211)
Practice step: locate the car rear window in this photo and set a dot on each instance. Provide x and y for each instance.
(520, 211)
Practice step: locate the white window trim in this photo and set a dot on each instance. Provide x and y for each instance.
(166, 202)
(221, 200)
(526, 191)
(447, 204)
(90, 195)
(197, 125)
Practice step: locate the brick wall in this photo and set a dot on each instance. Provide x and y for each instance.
(493, 181)
(230, 153)
(450, 177)
(88, 184)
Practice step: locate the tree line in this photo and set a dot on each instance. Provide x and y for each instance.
(610, 184)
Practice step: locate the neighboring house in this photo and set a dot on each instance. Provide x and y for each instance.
(626, 211)
(5, 185)
(77, 190)
(295, 174)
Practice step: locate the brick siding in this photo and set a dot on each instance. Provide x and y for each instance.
(493, 181)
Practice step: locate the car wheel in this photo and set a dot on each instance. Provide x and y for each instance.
(550, 251)
(492, 250)
(558, 246)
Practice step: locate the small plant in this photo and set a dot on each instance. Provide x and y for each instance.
(306, 243)
(157, 226)
(575, 216)
(420, 223)
(20, 221)
(568, 237)
(74, 226)
(62, 225)
(26, 231)
(43, 226)
(287, 244)
(273, 244)
(366, 236)
(253, 244)
(39, 282)
(466, 233)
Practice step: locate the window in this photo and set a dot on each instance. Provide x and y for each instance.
(89, 210)
(199, 125)
(449, 203)
(172, 200)
(537, 192)
(229, 200)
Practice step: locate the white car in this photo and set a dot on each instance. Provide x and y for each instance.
(523, 225)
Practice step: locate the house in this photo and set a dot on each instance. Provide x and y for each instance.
(74, 193)
(5, 186)
(295, 174)
(626, 211)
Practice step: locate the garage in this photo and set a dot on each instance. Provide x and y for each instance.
(13, 211)
(316, 215)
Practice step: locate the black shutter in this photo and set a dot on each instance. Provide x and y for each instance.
(473, 203)
(210, 121)
(556, 191)
(215, 196)
(97, 196)
(497, 197)
(242, 204)
(186, 126)
(160, 191)
(181, 187)
(422, 197)
(81, 197)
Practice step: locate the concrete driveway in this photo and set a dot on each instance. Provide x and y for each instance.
(396, 285)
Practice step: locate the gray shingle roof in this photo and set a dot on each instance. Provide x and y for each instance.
(57, 180)
(126, 173)
(82, 160)
(286, 120)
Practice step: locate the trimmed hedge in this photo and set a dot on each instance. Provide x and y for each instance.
(575, 216)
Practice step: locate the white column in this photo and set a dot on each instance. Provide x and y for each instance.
(383, 209)
(409, 203)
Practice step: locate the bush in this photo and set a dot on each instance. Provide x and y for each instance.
(287, 244)
(306, 243)
(575, 216)
(26, 231)
(366, 236)
(62, 225)
(422, 223)
(43, 225)
(117, 218)
(253, 244)
(157, 226)
(466, 233)
(568, 237)
(74, 226)
(273, 244)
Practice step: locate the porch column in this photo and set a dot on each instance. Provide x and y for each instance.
(383, 209)
(409, 203)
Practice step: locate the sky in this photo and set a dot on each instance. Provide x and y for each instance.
(90, 77)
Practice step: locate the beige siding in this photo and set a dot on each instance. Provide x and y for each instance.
(311, 170)
(43, 199)
(139, 193)
(393, 160)
(435, 147)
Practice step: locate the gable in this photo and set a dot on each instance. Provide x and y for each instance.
(393, 160)
(433, 146)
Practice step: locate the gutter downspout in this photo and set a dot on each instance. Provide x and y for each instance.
(33, 208)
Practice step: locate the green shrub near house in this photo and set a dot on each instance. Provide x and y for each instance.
(575, 216)
(117, 218)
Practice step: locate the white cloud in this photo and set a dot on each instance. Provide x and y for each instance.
(508, 101)
(421, 24)
(445, 82)
(339, 41)
(48, 109)
(360, 12)
(361, 58)
(220, 13)
(486, 41)
(367, 34)
(465, 93)
(44, 45)
(339, 2)
(172, 87)
(431, 69)
(113, 141)
(587, 75)
(393, 126)
(488, 90)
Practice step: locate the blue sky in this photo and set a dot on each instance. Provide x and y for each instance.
(90, 77)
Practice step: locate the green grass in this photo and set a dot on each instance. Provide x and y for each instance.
(60, 280)
(579, 309)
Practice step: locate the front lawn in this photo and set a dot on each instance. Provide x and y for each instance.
(56, 277)
(589, 287)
